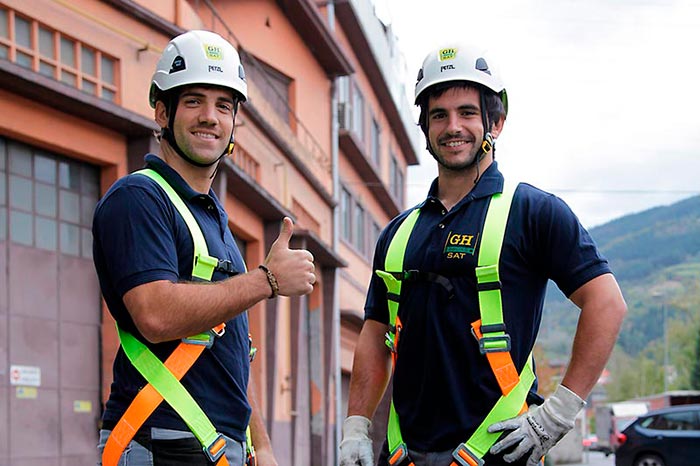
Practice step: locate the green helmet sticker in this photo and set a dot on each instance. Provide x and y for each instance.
(447, 54)
(213, 52)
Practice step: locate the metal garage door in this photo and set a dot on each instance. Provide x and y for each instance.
(49, 309)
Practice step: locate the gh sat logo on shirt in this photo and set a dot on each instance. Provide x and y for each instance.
(458, 245)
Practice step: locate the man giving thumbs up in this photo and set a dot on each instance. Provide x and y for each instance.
(171, 274)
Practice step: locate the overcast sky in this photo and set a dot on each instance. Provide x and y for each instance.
(604, 94)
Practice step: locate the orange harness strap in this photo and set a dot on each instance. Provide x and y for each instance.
(146, 401)
(501, 364)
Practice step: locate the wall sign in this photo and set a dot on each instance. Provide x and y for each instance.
(28, 376)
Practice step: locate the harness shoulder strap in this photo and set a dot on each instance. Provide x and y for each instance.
(487, 273)
(203, 264)
(490, 332)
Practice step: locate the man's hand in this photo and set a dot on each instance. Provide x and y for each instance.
(293, 268)
(540, 428)
(356, 447)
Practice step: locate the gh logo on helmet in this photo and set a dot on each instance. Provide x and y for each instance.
(213, 52)
(447, 54)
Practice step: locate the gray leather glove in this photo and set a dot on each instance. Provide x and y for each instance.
(539, 429)
(356, 447)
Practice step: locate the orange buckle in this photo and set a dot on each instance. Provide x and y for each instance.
(217, 449)
(399, 457)
(219, 330)
(499, 358)
(464, 457)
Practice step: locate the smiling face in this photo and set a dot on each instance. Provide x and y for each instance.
(455, 128)
(203, 122)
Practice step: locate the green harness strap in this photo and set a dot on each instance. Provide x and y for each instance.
(394, 261)
(494, 336)
(203, 264)
(152, 368)
(165, 383)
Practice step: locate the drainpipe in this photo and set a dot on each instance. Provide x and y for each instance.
(336, 230)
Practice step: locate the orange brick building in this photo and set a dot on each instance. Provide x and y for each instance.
(326, 138)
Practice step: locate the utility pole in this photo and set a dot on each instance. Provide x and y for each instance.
(660, 296)
(665, 312)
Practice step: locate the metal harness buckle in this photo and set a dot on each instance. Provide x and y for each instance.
(206, 338)
(494, 344)
(390, 338)
(251, 460)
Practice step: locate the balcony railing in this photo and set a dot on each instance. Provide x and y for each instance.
(294, 134)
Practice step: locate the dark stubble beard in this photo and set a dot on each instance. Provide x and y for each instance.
(457, 167)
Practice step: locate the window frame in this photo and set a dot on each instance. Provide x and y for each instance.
(102, 88)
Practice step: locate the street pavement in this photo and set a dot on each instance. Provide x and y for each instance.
(595, 458)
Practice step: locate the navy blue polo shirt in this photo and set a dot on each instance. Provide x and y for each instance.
(443, 386)
(140, 237)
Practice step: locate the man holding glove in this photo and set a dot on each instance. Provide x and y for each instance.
(456, 298)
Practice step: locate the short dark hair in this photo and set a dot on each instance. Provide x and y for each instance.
(494, 105)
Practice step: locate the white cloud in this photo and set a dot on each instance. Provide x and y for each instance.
(604, 95)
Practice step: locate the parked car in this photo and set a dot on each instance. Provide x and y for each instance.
(590, 442)
(664, 437)
(612, 418)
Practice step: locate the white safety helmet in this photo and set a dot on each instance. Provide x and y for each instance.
(198, 57)
(458, 63)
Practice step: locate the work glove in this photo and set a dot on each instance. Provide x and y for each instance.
(539, 429)
(356, 447)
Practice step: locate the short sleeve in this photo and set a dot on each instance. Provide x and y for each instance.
(565, 250)
(133, 228)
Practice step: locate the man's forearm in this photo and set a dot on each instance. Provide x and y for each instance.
(164, 311)
(258, 432)
(371, 370)
(602, 311)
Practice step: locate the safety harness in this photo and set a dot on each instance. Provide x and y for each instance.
(164, 378)
(489, 331)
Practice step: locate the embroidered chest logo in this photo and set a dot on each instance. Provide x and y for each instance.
(459, 245)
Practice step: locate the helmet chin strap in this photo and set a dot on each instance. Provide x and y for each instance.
(487, 143)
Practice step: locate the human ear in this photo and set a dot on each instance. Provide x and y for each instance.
(497, 127)
(161, 114)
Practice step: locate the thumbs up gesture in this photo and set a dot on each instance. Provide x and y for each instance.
(293, 268)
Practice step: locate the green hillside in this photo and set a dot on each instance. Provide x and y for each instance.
(655, 255)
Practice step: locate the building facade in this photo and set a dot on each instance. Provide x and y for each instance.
(325, 138)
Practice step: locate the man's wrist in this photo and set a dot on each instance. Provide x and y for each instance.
(271, 280)
(566, 404)
(356, 424)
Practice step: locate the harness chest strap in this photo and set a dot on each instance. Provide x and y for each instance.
(164, 379)
(493, 341)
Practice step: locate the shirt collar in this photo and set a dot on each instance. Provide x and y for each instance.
(173, 178)
(490, 183)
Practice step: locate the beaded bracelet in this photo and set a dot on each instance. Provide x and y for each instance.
(274, 286)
